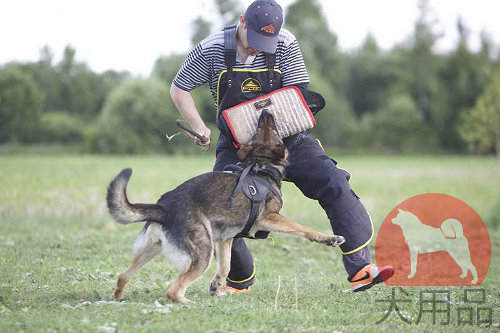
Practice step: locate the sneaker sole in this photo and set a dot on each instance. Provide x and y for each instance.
(381, 277)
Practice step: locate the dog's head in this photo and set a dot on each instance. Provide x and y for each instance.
(266, 145)
(404, 218)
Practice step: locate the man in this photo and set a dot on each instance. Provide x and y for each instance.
(242, 63)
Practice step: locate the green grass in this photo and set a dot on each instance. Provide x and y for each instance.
(59, 248)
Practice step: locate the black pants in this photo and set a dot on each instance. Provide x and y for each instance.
(318, 177)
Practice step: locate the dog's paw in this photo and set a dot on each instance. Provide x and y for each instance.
(215, 289)
(335, 241)
(117, 295)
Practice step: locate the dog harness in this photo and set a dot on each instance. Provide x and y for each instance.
(256, 188)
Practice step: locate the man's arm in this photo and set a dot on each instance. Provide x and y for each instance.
(194, 72)
(185, 104)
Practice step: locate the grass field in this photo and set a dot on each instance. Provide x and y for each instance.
(60, 252)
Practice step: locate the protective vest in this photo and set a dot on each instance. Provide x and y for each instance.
(238, 85)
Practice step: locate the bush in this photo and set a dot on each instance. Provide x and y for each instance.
(336, 122)
(134, 119)
(480, 125)
(396, 125)
(60, 127)
(493, 220)
(20, 105)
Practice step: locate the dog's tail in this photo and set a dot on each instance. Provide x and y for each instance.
(452, 229)
(122, 210)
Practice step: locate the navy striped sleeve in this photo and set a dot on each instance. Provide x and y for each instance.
(194, 71)
(292, 66)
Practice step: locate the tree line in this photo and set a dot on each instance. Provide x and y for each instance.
(407, 99)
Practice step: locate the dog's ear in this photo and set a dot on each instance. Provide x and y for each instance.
(279, 151)
(244, 151)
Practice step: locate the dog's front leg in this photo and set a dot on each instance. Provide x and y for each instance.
(223, 257)
(279, 223)
(414, 260)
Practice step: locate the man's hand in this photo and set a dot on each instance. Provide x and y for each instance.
(185, 104)
(205, 132)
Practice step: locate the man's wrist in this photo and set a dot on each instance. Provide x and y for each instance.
(201, 129)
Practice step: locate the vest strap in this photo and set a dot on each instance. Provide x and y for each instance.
(271, 62)
(230, 51)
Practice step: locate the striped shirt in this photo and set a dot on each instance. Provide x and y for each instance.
(206, 62)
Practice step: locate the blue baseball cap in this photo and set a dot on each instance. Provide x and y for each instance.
(264, 19)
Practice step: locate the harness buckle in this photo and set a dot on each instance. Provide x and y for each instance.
(253, 190)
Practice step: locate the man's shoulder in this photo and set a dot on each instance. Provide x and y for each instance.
(215, 40)
(286, 37)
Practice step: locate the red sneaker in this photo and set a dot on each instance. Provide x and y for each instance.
(231, 290)
(369, 276)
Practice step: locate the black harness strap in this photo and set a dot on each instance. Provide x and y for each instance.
(270, 61)
(255, 188)
(230, 52)
(243, 175)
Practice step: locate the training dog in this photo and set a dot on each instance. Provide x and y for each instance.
(201, 216)
(422, 238)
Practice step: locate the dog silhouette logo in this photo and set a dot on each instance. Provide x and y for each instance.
(434, 240)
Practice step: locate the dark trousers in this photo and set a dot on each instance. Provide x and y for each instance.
(318, 177)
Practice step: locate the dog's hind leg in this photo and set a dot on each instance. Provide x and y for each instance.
(414, 260)
(145, 254)
(474, 273)
(147, 246)
(200, 259)
(223, 256)
(279, 223)
(463, 260)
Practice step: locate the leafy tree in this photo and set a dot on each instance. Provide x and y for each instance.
(134, 119)
(464, 75)
(395, 125)
(318, 44)
(336, 124)
(166, 67)
(20, 105)
(46, 55)
(417, 64)
(61, 127)
(83, 92)
(480, 125)
(229, 11)
(201, 28)
(327, 68)
(371, 75)
(47, 81)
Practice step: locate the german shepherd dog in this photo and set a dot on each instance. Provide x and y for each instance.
(195, 220)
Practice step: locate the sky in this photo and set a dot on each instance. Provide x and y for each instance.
(131, 35)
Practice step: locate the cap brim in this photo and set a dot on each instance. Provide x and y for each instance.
(262, 43)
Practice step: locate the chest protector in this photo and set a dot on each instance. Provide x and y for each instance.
(238, 85)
